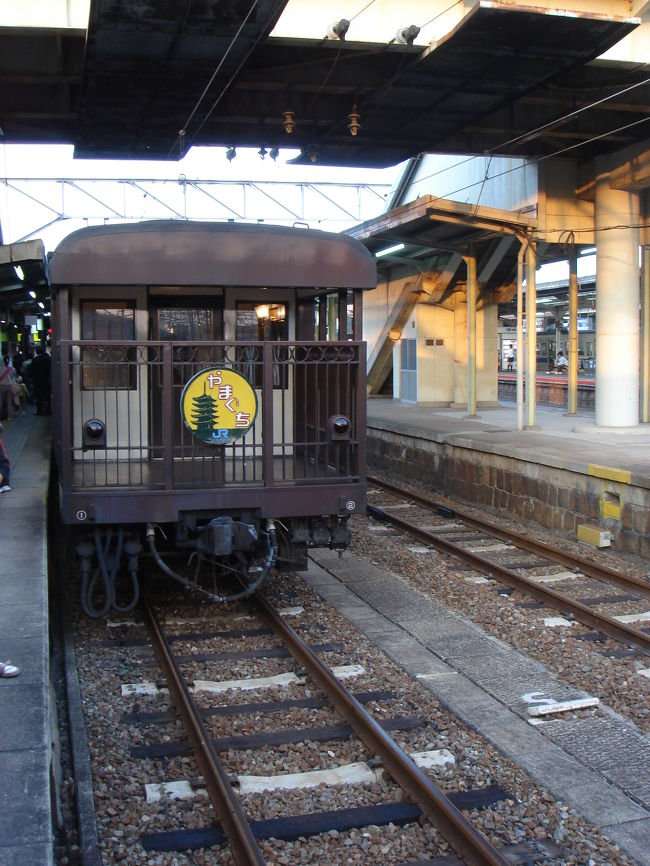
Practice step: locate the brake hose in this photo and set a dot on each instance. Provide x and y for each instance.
(249, 590)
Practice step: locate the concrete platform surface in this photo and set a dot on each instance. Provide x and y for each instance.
(557, 439)
(25, 748)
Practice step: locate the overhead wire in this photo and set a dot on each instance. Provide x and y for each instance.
(536, 160)
(183, 132)
(528, 136)
(356, 14)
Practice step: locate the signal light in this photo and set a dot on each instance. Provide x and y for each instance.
(339, 427)
(94, 434)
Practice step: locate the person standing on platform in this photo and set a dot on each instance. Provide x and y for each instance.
(40, 374)
(6, 668)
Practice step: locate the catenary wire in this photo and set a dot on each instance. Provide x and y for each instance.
(531, 161)
(233, 41)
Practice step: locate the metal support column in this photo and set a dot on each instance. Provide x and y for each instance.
(573, 333)
(520, 332)
(472, 293)
(531, 334)
(645, 337)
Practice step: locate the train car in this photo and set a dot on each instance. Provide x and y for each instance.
(209, 392)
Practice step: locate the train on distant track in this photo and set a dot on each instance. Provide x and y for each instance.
(208, 395)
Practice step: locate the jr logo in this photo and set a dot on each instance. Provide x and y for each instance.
(218, 406)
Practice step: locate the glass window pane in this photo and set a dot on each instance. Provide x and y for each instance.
(108, 367)
(192, 325)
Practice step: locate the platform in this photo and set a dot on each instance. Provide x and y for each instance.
(598, 764)
(563, 472)
(25, 749)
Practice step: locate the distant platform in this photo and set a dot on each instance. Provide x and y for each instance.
(552, 389)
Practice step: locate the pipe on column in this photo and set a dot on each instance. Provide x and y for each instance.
(645, 338)
(573, 332)
(523, 239)
(472, 293)
(531, 333)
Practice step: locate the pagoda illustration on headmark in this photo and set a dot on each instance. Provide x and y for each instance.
(205, 415)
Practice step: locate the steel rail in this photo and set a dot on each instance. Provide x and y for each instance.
(243, 845)
(466, 840)
(590, 569)
(584, 614)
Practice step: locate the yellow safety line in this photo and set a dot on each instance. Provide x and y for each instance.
(610, 473)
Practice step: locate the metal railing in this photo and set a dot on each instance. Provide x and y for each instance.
(134, 389)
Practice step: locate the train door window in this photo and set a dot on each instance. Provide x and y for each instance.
(195, 323)
(192, 325)
(409, 371)
(108, 366)
(257, 323)
(307, 320)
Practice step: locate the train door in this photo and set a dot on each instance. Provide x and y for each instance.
(189, 323)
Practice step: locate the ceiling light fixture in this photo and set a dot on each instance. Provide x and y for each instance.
(338, 29)
(288, 121)
(19, 272)
(354, 117)
(388, 250)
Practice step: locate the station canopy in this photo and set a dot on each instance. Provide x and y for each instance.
(151, 79)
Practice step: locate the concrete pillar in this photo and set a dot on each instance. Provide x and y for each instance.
(461, 327)
(617, 305)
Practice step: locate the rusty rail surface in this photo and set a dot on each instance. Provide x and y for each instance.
(599, 621)
(590, 569)
(466, 840)
(243, 845)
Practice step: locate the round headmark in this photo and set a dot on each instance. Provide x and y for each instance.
(218, 405)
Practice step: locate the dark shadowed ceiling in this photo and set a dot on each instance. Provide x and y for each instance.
(137, 79)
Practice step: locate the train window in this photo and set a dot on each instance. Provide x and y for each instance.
(258, 322)
(111, 365)
(191, 325)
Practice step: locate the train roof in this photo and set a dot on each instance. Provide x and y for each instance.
(179, 253)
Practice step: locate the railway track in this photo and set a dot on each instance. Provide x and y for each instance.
(471, 541)
(449, 820)
(289, 730)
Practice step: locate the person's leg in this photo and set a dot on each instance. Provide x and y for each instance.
(5, 469)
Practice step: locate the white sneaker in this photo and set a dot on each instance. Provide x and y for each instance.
(5, 488)
(8, 670)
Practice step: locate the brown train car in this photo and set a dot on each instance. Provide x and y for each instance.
(209, 381)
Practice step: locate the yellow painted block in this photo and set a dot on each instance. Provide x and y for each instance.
(593, 535)
(610, 473)
(610, 509)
